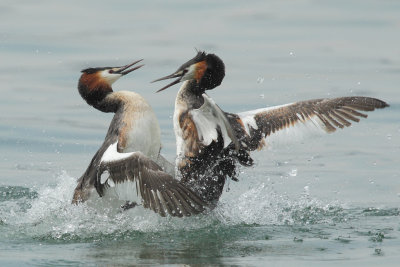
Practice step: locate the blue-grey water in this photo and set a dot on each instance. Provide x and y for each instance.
(314, 202)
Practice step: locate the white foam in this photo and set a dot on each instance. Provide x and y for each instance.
(52, 216)
(262, 205)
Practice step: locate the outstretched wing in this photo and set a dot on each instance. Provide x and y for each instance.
(134, 175)
(322, 114)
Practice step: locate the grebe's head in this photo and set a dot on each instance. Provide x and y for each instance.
(207, 70)
(95, 83)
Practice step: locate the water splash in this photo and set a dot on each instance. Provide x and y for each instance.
(262, 205)
(48, 214)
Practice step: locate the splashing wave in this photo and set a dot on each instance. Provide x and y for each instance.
(48, 213)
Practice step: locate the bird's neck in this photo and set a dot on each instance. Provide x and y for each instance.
(190, 95)
(100, 97)
(108, 104)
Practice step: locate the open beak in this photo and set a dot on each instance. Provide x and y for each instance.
(178, 74)
(126, 69)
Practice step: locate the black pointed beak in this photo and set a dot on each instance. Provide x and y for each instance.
(178, 74)
(126, 69)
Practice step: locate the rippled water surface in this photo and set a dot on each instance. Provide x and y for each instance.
(311, 202)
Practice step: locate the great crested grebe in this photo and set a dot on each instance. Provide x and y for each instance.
(211, 142)
(125, 165)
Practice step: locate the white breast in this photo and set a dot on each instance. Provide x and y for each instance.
(178, 132)
(144, 135)
(143, 132)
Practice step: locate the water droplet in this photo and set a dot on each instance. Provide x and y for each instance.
(293, 173)
(260, 79)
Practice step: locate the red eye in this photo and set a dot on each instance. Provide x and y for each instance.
(110, 71)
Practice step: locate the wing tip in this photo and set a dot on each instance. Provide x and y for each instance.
(384, 105)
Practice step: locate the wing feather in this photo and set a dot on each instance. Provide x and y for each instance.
(177, 207)
(158, 190)
(167, 202)
(327, 115)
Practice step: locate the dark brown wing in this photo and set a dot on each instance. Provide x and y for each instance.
(325, 114)
(158, 190)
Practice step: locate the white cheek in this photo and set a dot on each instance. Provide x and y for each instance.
(110, 77)
(190, 73)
